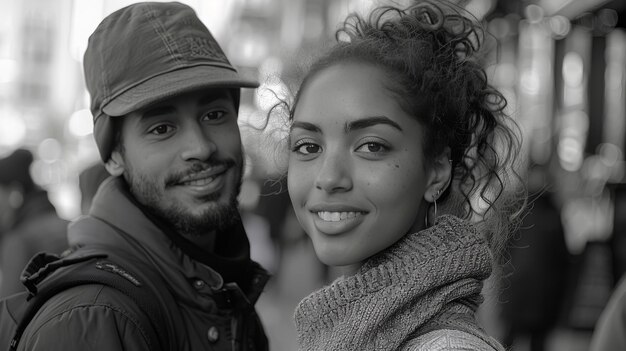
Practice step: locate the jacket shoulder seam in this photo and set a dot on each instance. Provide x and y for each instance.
(87, 305)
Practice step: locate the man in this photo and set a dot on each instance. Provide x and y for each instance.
(164, 100)
(28, 221)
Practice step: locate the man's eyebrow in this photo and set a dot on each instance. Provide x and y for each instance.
(369, 122)
(157, 111)
(306, 126)
(212, 97)
(166, 109)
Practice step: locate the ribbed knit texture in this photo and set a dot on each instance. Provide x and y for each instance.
(415, 286)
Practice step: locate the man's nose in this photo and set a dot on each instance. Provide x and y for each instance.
(197, 143)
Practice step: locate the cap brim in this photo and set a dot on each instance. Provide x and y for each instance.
(174, 83)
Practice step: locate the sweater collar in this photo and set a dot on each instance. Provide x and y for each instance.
(403, 288)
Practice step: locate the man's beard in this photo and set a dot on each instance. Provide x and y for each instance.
(217, 217)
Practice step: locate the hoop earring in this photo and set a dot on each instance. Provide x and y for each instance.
(435, 197)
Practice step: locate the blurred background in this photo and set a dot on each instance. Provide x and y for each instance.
(560, 63)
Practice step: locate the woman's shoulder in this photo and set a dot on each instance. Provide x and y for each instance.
(448, 340)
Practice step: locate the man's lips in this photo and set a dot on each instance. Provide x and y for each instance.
(198, 182)
(203, 177)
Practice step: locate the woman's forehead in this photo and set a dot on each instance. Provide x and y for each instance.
(350, 94)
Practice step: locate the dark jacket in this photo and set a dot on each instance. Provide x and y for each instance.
(37, 228)
(94, 317)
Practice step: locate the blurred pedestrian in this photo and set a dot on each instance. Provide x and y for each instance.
(610, 330)
(165, 100)
(28, 221)
(534, 290)
(393, 134)
(274, 206)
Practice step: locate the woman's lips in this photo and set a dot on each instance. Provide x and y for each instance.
(329, 216)
(337, 220)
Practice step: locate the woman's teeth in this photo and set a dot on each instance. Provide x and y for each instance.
(337, 216)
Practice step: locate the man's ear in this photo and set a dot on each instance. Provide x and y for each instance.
(439, 176)
(115, 164)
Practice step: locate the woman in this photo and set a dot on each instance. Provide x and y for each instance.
(395, 123)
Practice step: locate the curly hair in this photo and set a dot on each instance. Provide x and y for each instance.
(429, 51)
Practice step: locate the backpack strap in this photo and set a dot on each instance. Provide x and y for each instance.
(47, 275)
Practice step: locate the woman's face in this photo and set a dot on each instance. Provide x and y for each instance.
(356, 177)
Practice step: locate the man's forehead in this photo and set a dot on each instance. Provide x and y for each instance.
(215, 94)
(197, 98)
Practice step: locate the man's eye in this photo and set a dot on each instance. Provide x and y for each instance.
(214, 115)
(161, 129)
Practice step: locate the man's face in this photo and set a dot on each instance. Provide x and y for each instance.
(182, 159)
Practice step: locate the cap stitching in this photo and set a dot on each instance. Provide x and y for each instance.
(105, 84)
(159, 28)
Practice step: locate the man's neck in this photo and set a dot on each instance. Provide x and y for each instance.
(206, 241)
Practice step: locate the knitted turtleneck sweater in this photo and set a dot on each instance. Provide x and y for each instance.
(425, 283)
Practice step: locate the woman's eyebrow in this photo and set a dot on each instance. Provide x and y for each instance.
(350, 126)
(369, 122)
(306, 126)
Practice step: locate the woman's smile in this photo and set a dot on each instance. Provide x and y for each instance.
(329, 216)
(334, 223)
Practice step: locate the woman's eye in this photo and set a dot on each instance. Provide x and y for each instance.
(161, 129)
(214, 115)
(307, 148)
(372, 147)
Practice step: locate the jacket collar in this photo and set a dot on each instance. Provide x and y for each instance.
(135, 232)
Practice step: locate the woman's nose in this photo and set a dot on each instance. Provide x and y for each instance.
(334, 174)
